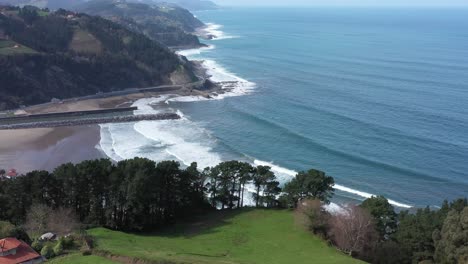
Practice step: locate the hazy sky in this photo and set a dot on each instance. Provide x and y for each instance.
(344, 2)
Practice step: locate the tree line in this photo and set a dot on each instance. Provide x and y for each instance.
(373, 231)
(137, 194)
(140, 194)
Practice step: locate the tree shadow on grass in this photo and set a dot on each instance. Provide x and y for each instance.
(202, 225)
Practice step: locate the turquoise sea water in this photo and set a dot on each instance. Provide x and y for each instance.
(377, 98)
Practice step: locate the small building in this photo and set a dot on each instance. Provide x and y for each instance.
(48, 237)
(14, 251)
(2, 35)
(12, 173)
(55, 101)
(20, 113)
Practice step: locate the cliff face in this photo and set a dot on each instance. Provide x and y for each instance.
(63, 54)
(168, 24)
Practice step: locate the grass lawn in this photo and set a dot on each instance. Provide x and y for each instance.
(80, 259)
(7, 47)
(243, 236)
(83, 41)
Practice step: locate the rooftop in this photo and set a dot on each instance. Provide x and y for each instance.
(24, 252)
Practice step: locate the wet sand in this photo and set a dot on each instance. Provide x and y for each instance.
(45, 149)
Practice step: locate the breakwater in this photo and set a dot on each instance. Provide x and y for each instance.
(90, 121)
(66, 114)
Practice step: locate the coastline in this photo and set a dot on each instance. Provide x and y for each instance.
(46, 148)
(66, 145)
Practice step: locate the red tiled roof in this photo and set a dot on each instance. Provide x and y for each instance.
(9, 243)
(12, 173)
(23, 251)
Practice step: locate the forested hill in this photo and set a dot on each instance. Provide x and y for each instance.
(168, 24)
(52, 4)
(62, 54)
(194, 5)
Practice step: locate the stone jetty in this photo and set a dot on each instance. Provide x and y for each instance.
(90, 121)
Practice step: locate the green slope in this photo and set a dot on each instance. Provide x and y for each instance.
(80, 259)
(247, 236)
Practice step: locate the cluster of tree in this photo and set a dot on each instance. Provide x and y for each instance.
(139, 194)
(168, 25)
(127, 59)
(374, 232)
(131, 195)
(52, 4)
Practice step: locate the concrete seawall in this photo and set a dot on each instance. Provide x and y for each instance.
(66, 114)
(90, 121)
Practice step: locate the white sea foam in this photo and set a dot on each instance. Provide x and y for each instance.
(193, 52)
(183, 139)
(286, 174)
(231, 84)
(215, 31)
(333, 208)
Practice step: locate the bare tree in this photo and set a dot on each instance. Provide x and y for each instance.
(41, 219)
(311, 214)
(63, 221)
(36, 220)
(353, 231)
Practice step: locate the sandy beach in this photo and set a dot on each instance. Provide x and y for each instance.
(45, 149)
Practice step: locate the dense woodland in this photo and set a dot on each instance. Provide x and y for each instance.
(167, 24)
(60, 66)
(141, 195)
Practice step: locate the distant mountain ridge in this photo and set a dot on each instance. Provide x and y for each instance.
(45, 55)
(52, 4)
(193, 5)
(166, 23)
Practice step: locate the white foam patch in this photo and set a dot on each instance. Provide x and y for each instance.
(285, 175)
(121, 148)
(194, 52)
(215, 31)
(333, 208)
(161, 140)
(368, 195)
(231, 83)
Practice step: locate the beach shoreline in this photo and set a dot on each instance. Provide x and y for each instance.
(46, 148)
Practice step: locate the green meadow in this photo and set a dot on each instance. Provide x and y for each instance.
(241, 236)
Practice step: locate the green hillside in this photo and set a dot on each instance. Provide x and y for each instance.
(80, 259)
(242, 236)
(168, 24)
(63, 55)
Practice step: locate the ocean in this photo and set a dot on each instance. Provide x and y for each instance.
(376, 98)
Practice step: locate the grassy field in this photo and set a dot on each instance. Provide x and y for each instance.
(85, 42)
(247, 236)
(80, 259)
(7, 47)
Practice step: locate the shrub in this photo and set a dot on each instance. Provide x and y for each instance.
(58, 249)
(47, 251)
(67, 242)
(37, 245)
(313, 216)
